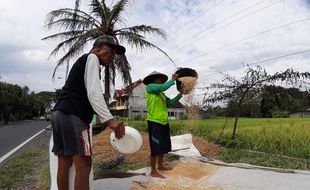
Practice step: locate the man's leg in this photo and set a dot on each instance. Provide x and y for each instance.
(64, 164)
(82, 167)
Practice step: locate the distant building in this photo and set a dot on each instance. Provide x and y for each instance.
(134, 105)
(305, 113)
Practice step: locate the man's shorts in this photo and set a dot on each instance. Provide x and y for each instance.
(159, 138)
(70, 135)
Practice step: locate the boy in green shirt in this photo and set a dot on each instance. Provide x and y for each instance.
(157, 118)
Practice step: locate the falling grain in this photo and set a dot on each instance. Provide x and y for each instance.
(188, 84)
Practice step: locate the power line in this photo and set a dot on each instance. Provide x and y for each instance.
(258, 62)
(181, 14)
(233, 22)
(187, 10)
(184, 12)
(207, 28)
(194, 18)
(226, 24)
(227, 18)
(249, 37)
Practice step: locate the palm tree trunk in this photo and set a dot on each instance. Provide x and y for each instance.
(107, 84)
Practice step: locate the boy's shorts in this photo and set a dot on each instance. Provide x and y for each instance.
(70, 135)
(159, 138)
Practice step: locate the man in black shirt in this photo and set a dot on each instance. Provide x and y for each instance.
(81, 98)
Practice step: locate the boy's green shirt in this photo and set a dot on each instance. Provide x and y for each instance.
(157, 102)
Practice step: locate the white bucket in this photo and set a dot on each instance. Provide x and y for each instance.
(130, 143)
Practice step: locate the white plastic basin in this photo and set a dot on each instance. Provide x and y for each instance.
(130, 143)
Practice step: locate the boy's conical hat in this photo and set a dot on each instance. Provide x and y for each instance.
(154, 75)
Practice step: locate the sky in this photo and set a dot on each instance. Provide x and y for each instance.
(212, 37)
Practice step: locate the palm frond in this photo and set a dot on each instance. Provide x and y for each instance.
(143, 29)
(116, 11)
(138, 41)
(75, 50)
(66, 23)
(98, 10)
(78, 45)
(123, 67)
(64, 44)
(64, 35)
(93, 34)
(64, 17)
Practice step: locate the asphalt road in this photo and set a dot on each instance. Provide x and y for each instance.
(14, 134)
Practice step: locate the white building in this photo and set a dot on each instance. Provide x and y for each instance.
(134, 105)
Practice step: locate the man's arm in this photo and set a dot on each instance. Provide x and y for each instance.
(95, 96)
(93, 88)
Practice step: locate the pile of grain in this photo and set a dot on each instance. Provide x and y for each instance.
(184, 175)
(103, 151)
(191, 170)
(187, 84)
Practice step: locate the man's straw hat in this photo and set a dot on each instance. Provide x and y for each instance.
(110, 40)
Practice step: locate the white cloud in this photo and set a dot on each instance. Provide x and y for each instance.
(209, 36)
(36, 81)
(35, 56)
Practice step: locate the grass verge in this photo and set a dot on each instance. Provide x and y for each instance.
(28, 170)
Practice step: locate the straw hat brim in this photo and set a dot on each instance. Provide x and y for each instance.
(149, 79)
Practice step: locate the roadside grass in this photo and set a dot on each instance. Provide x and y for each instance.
(273, 142)
(44, 177)
(13, 173)
(29, 169)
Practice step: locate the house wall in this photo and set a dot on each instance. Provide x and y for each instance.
(301, 114)
(306, 114)
(176, 113)
(137, 105)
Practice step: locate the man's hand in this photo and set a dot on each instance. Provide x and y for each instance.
(118, 127)
(175, 76)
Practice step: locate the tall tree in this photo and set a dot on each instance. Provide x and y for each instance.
(11, 97)
(250, 87)
(79, 27)
(283, 100)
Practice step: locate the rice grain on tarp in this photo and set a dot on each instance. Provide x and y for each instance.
(103, 151)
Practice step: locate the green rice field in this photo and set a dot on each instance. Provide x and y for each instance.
(273, 142)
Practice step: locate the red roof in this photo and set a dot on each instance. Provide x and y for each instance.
(124, 91)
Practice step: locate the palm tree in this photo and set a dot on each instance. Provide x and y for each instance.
(79, 27)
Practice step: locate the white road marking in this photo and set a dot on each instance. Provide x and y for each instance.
(19, 146)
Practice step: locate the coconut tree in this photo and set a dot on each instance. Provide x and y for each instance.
(78, 28)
